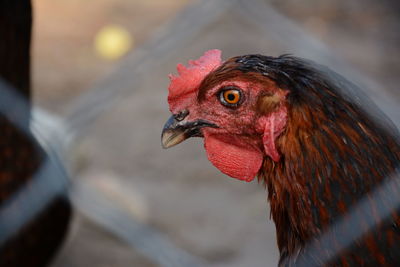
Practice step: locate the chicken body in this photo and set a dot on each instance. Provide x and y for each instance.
(21, 156)
(305, 132)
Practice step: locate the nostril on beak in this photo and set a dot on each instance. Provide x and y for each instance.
(181, 115)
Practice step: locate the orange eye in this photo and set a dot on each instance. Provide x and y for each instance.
(230, 97)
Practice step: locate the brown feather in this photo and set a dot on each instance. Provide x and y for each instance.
(352, 153)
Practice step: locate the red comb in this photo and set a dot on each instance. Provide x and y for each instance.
(184, 86)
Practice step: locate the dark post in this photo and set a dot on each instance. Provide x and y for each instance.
(20, 156)
(15, 40)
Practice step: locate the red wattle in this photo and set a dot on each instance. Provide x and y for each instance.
(233, 157)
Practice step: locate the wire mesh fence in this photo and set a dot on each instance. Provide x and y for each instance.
(188, 33)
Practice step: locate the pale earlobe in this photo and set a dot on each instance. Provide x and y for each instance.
(268, 103)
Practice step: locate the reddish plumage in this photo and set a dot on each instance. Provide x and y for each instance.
(321, 152)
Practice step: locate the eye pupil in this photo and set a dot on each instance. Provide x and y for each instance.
(231, 97)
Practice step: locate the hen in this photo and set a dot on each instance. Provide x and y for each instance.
(22, 159)
(303, 130)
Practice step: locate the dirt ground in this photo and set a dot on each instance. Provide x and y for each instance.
(178, 192)
(65, 62)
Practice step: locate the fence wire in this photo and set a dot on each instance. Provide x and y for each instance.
(345, 232)
(51, 180)
(56, 135)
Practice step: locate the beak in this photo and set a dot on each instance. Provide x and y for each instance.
(177, 130)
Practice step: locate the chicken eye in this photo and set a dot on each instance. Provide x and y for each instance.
(230, 97)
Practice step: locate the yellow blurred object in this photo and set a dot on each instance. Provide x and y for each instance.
(112, 42)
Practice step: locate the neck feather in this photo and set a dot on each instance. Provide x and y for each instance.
(329, 161)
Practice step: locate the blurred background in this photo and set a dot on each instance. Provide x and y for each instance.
(100, 76)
